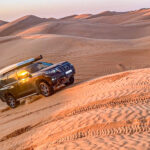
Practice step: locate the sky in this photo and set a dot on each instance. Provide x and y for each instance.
(13, 9)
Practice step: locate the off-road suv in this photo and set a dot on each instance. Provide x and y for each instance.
(32, 77)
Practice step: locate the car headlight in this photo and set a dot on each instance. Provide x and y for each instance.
(53, 79)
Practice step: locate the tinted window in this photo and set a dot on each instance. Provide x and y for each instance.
(11, 77)
(46, 64)
(37, 67)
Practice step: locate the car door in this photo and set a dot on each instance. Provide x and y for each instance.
(25, 86)
(3, 87)
(11, 84)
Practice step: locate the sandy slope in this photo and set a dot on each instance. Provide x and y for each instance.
(2, 22)
(92, 58)
(90, 29)
(20, 24)
(110, 112)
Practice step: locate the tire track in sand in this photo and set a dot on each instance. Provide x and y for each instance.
(98, 130)
(126, 100)
(106, 103)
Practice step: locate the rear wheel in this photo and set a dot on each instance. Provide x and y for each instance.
(71, 81)
(45, 89)
(11, 101)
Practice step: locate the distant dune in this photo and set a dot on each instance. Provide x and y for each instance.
(121, 17)
(82, 16)
(90, 30)
(75, 17)
(69, 17)
(105, 25)
(105, 13)
(20, 24)
(2, 22)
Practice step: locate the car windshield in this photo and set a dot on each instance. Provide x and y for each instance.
(37, 66)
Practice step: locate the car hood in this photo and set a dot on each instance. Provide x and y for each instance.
(53, 66)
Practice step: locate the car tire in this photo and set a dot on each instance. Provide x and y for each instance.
(71, 81)
(11, 101)
(45, 89)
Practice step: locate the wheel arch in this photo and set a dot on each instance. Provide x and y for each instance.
(42, 80)
(7, 94)
(37, 82)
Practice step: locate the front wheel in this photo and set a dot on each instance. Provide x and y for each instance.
(11, 101)
(71, 81)
(45, 89)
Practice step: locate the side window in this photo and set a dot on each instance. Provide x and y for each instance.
(11, 77)
(46, 64)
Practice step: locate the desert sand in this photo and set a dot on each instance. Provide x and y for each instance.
(107, 107)
(107, 112)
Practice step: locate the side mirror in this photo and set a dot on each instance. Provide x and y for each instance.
(23, 74)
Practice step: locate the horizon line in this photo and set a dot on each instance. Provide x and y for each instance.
(72, 14)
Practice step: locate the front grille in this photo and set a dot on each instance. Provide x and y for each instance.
(65, 68)
(62, 68)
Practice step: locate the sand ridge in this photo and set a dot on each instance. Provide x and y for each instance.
(105, 25)
(2, 22)
(110, 56)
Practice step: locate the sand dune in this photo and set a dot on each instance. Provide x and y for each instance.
(82, 16)
(105, 13)
(106, 25)
(121, 17)
(115, 109)
(68, 17)
(75, 17)
(19, 24)
(104, 56)
(2, 22)
(90, 30)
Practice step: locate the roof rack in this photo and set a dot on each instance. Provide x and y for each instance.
(19, 65)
